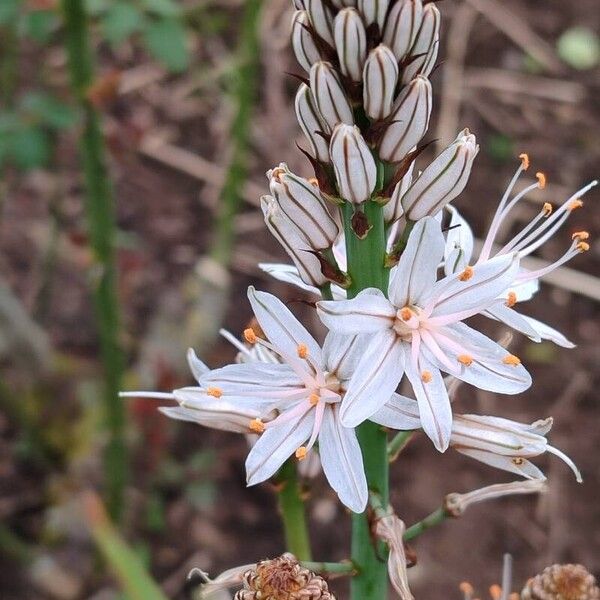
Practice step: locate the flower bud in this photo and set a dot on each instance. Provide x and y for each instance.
(380, 76)
(350, 42)
(321, 19)
(393, 210)
(304, 46)
(353, 163)
(425, 46)
(293, 241)
(373, 11)
(443, 180)
(329, 95)
(301, 202)
(402, 25)
(311, 123)
(344, 3)
(409, 120)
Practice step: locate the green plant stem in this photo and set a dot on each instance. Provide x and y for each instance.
(101, 226)
(293, 511)
(329, 568)
(398, 443)
(435, 518)
(245, 79)
(366, 259)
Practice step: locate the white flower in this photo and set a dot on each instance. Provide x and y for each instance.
(498, 442)
(419, 331)
(460, 243)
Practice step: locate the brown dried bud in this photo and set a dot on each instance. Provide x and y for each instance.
(562, 582)
(283, 578)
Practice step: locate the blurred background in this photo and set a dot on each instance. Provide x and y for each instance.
(188, 103)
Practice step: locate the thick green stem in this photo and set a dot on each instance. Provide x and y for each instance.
(366, 258)
(101, 226)
(293, 513)
(398, 443)
(435, 518)
(245, 81)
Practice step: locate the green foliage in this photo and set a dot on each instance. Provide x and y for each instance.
(165, 40)
(579, 47)
(500, 148)
(9, 10)
(39, 25)
(120, 21)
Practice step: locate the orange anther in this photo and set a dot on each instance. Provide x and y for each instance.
(466, 274)
(541, 177)
(524, 161)
(302, 350)
(574, 204)
(511, 359)
(313, 181)
(465, 359)
(511, 299)
(547, 208)
(406, 314)
(250, 336)
(276, 173)
(495, 592)
(314, 399)
(301, 453)
(426, 376)
(583, 246)
(518, 461)
(215, 392)
(580, 235)
(257, 426)
(465, 587)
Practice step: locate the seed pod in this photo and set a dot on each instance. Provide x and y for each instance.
(380, 76)
(321, 19)
(408, 122)
(426, 45)
(329, 95)
(373, 11)
(402, 25)
(311, 123)
(353, 163)
(293, 241)
(350, 42)
(304, 46)
(301, 202)
(443, 180)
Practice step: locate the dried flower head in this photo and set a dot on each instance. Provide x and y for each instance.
(562, 582)
(283, 578)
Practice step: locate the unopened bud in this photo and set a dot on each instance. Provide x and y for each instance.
(402, 25)
(393, 210)
(329, 95)
(373, 11)
(294, 242)
(301, 202)
(350, 42)
(426, 45)
(321, 19)
(311, 123)
(443, 180)
(408, 122)
(380, 75)
(353, 163)
(343, 3)
(304, 46)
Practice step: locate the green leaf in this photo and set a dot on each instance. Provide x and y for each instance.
(500, 147)
(51, 111)
(30, 147)
(165, 40)
(39, 25)
(580, 48)
(164, 8)
(9, 10)
(120, 21)
(96, 7)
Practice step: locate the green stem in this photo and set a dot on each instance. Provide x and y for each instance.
(293, 513)
(398, 443)
(245, 80)
(101, 226)
(366, 259)
(435, 518)
(329, 568)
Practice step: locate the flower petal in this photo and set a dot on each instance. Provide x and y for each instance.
(342, 353)
(370, 311)
(417, 270)
(520, 466)
(226, 418)
(197, 367)
(342, 462)
(275, 446)
(434, 405)
(459, 243)
(548, 333)
(399, 412)
(500, 312)
(288, 274)
(376, 377)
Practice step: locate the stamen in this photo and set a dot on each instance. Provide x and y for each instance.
(511, 299)
(301, 453)
(583, 246)
(547, 208)
(406, 314)
(495, 592)
(465, 359)
(215, 392)
(518, 461)
(302, 350)
(581, 235)
(313, 181)
(426, 376)
(276, 173)
(465, 587)
(541, 177)
(250, 336)
(314, 399)
(524, 161)
(574, 204)
(466, 274)
(511, 359)
(257, 426)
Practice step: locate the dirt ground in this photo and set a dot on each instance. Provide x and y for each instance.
(165, 216)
